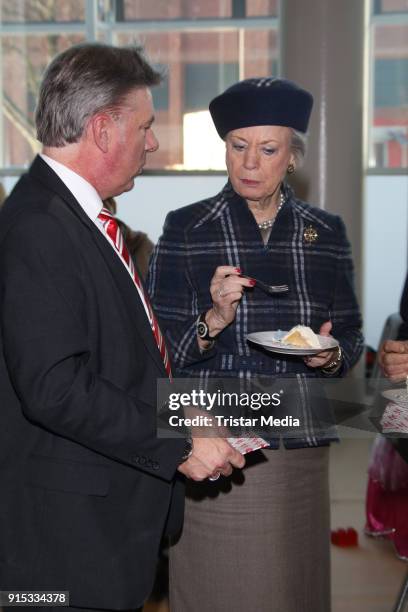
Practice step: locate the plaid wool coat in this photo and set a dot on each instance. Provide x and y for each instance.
(222, 231)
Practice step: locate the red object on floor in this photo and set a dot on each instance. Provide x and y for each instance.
(345, 538)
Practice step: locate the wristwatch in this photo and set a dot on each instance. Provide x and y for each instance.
(188, 450)
(202, 329)
(334, 366)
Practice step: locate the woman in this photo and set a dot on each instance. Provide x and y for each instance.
(260, 539)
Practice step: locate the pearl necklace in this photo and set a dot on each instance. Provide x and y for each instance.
(269, 222)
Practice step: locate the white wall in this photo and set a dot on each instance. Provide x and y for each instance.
(146, 206)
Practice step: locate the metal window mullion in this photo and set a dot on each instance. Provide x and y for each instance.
(370, 84)
(19, 170)
(256, 23)
(391, 19)
(12, 171)
(39, 29)
(374, 171)
(110, 16)
(239, 8)
(376, 7)
(241, 53)
(91, 20)
(118, 10)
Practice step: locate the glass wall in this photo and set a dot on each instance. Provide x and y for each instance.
(32, 33)
(200, 47)
(388, 121)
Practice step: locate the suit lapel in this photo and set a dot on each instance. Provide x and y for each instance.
(125, 286)
(129, 295)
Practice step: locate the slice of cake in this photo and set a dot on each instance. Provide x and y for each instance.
(301, 337)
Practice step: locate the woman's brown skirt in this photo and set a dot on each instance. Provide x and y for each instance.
(258, 540)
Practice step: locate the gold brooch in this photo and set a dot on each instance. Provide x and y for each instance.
(310, 234)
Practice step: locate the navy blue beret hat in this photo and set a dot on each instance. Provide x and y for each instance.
(263, 101)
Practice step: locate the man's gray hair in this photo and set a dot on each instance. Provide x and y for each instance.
(298, 146)
(83, 80)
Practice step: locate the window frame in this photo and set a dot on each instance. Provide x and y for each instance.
(92, 28)
(376, 18)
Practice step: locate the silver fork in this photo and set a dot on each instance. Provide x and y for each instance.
(267, 288)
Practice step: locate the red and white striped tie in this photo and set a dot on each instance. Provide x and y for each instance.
(112, 230)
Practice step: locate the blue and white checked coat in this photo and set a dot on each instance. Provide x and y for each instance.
(222, 231)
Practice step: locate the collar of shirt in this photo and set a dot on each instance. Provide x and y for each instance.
(84, 192)
(90, 201)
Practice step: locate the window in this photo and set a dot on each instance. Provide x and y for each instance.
(381, 7)
(136, 10)
(161, 91)
(200, 64)
(42, 11)
(203, 81)
(388, 125)
(201, 47)
(24, 61)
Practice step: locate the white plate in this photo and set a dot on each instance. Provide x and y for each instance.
(398, 396)
(271, 341)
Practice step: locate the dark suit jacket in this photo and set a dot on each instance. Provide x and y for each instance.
(86, 485)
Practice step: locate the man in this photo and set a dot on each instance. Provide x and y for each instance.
(87, 487)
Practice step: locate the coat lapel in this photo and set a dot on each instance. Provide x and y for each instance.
(129, 295)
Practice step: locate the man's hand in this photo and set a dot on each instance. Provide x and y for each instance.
(211, 456)
(325, 357)
(393, 359)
